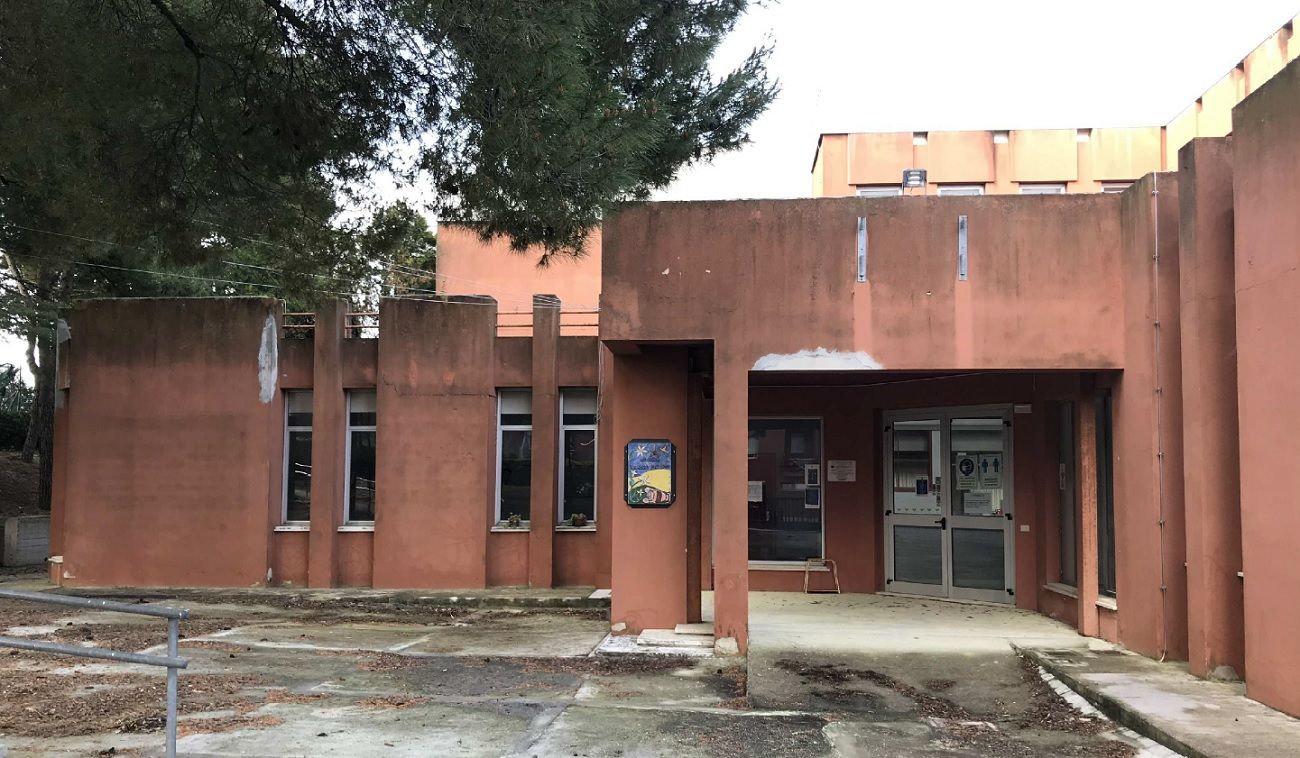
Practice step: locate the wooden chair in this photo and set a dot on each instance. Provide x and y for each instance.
(813, 564)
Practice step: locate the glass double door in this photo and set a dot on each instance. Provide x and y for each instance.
(948, 507)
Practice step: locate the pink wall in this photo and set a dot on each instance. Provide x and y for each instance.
(1266, 196)
(171, 447)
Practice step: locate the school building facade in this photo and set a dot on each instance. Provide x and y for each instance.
(1080, 404)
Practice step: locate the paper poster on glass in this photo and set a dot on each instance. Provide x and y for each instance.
(967, 471)
(990, 465)
(651, 475)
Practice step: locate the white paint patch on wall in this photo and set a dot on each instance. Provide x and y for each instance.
(268, 361)
(820, 359)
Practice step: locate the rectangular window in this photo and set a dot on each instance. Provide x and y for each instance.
(297, 456)
(1042, 189)
(360, 506)
(514, 453)
(785, 503)
(1110, 187)
(1105, 496)
(960, 190)
(578, 446)
(887, 191)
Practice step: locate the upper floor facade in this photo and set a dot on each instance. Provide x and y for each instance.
(1039, 161)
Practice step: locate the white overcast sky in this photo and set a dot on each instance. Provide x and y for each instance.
(898, 65)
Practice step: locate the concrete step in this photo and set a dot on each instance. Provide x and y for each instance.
(700, 628)
(669, 638)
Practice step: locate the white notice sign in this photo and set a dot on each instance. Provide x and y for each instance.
(968, 477)
(991, 471)
(841, 471)
(977, 503)
(755, 492)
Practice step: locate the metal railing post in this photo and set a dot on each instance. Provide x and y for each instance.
(173, 662)
(173, 636)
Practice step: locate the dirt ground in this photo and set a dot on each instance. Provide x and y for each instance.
(288, 674)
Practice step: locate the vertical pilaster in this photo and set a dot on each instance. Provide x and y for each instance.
(730, 515)
(328, 444)
(543, 508)
(1210, 437)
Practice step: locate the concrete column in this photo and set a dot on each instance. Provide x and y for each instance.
(694, 498)
(649, 544)
(730, 514)
(608, 501)
(329, 423)
(1150, 539)
(1211, 471)
(543, 510)
(1085, 426)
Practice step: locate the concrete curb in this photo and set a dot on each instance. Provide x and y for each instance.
(1116, 710)
(465, 599)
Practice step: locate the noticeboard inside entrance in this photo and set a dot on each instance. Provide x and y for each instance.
(651, 474)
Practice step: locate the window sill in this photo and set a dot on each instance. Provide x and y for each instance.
(1062, 589)
(1108, 603)
(500, 528)
(567, 528)
(357, 528)
(295, 527)
(783, 566)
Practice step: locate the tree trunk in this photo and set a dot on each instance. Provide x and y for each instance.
(33, 416)
(43, 406)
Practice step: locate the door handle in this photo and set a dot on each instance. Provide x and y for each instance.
(943, 522)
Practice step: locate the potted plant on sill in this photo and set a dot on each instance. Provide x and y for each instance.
(578, 519)
(515, 521)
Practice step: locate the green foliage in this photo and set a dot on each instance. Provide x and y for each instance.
(230, 142)
(15, 407)
(15, 395)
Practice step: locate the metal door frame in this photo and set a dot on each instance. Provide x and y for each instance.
(945, 415)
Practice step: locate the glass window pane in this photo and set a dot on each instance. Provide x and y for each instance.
(979, 559)
(298, 478)
(361, 477)
(297, 406)
(1065, 489)
(1105, 495)
(516, 473)
(918, 554)
(918, 469)
(579, 474)
(785, 524)
(978, 467)
(361, 407)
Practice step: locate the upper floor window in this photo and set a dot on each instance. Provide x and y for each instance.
(878, 191)
(1042, 189)
(578, 447)
(514, 454)
(961, 189)
(297, 456)
(360, 495)
(1109, 187)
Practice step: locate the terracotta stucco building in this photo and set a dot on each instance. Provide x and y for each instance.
(1079, 404)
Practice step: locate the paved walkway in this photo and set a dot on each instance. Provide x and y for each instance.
(1191, 715)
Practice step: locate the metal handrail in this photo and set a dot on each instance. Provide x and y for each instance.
(172, 661)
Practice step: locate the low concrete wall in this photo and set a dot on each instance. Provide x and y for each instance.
(26, 540)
